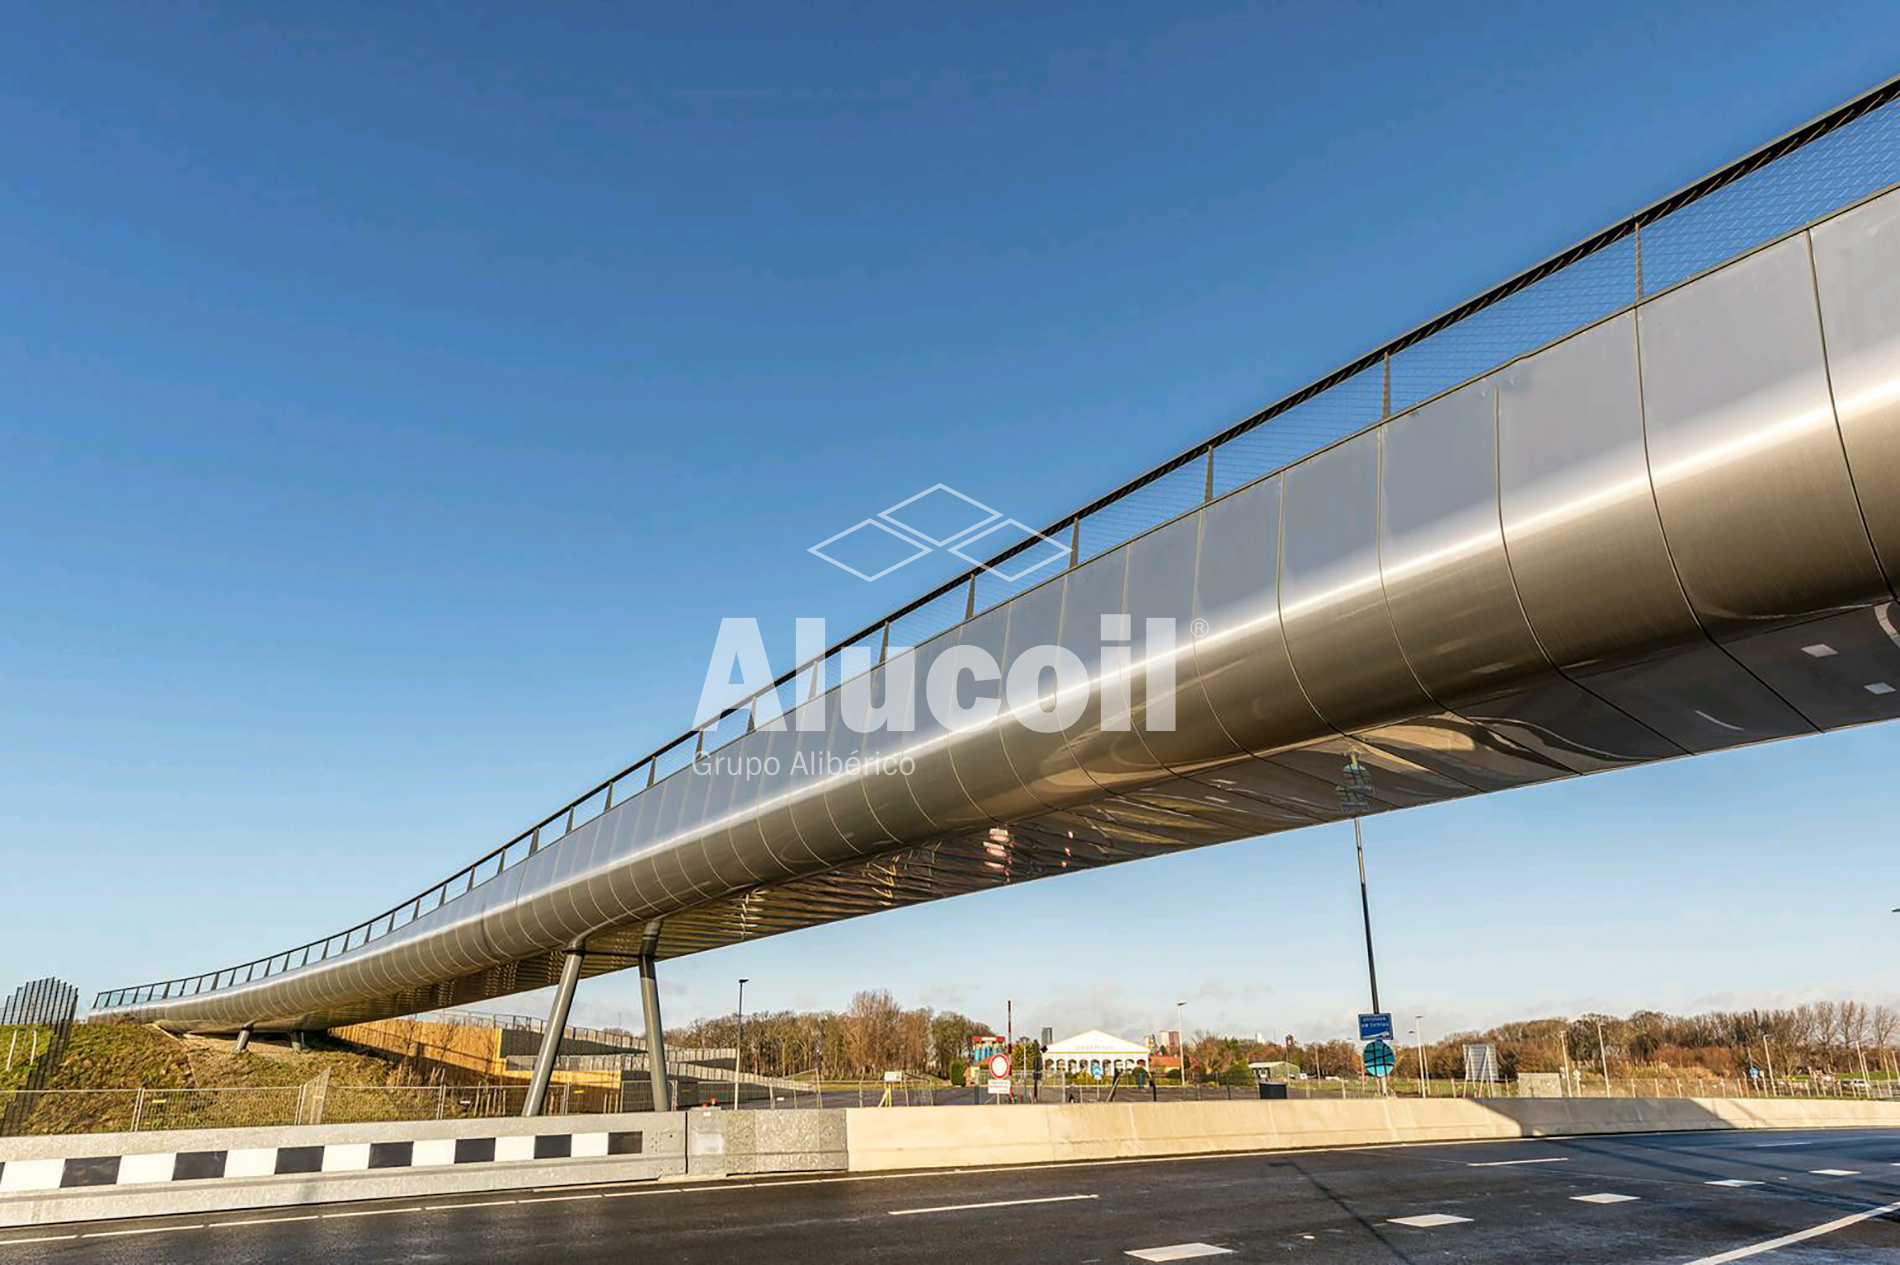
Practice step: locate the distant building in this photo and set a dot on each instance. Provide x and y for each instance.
(1097, 1053)
(1276, 1070)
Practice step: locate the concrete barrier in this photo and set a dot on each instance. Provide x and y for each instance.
(723, 1143)
(957, 1137)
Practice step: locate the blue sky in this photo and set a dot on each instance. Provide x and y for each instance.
(396, 399)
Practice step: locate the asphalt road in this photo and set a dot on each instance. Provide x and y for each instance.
(1648, 1199)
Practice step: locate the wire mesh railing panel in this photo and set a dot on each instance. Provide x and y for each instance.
(1567, 300)
(939, 615)
(729, 728)
(673, 759)
(1847, 164)
(1308, 426)
(1125, 518)
(775, 703)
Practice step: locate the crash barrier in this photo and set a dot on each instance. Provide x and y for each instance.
(93, 1177)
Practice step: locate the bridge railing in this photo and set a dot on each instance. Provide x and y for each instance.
(1829, 163)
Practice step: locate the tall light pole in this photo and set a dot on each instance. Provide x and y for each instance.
(1603, 1053)
(1354, 799)
(738, 1049)
(1424, 1072)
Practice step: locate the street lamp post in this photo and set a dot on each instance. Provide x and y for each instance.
(738, 1049)
(1424, 1072)
(1354, 800)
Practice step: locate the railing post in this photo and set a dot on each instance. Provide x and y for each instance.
(138, 1110)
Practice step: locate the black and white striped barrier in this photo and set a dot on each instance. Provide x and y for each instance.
(88, 1177)
(22, 1176)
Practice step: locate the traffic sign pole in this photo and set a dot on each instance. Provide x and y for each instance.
(1365, 909)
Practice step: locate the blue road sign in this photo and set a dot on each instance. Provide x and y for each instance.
(1375, 1027)
(1379, 1058)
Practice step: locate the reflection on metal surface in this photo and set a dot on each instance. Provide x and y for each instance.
(1646, 539)
(1857, 275)
(1735, 395)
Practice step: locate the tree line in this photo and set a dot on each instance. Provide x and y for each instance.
(1838, 1039)
(874, 1034)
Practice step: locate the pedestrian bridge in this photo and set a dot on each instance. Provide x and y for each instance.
(1640, 502)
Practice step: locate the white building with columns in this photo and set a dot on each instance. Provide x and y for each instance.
(1095, 1053)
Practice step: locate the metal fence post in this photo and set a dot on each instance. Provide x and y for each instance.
(138, 1110)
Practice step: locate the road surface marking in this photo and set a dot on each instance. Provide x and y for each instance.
(1428, 1220)
(486, 1203)
(219, 1225)
(1553, 1159)
(1769, 1245)
(368, 1212)
(1179, 1252)
(1762, 1146)
(44, 1238)
(1835, 1172)
(1604, 1198)
(1000, 1203)
(687, 1190)
(157, 1229)
(556, 1199)
(1732, 1181)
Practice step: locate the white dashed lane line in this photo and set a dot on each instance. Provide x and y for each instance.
(369, 1212)
(1428, 1220)
(1604, 1198)
(1732, 1181)
(157, 1229)
(1835, 1172)
(999, 1203)
(1179, 1252)
(1553, 1159)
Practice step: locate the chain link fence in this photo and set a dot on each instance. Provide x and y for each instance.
(52, 1111)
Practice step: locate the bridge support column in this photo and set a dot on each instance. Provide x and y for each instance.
(244, 1038)
(557, 1024)
(300, 1041)
(656, 1032)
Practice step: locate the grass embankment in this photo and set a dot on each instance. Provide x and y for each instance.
(21, 1048)
(193, 1083)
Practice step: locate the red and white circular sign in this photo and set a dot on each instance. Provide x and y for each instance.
(999, 1067)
